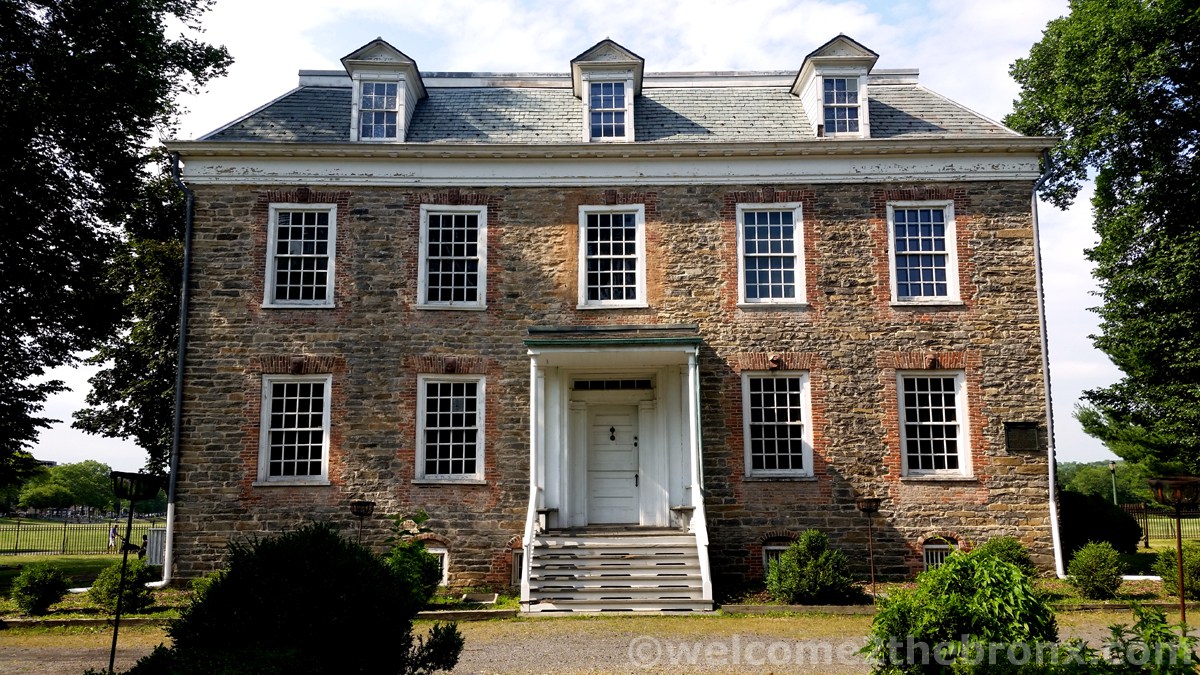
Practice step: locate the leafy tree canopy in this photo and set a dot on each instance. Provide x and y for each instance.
(83, 86)
(85, 483)
(1094, 478)
(1119, 82)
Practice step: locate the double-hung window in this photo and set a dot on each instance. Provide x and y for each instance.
(378, 111)
(841, 105)
(294, 429)
(776, 423)
(300, 255)
(924, 257)
(453, 267)
(771, 265)
(933, 429)
(612, 256)
(450, 427)
(607, 111)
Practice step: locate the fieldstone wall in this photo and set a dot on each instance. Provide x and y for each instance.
(850, 338)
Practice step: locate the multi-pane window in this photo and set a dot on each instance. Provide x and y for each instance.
(772, 259)
(453, 256)
(776, 423)
(451, 427)
(932, 423)
(606, 105)
(378, 110)
(612, 257)
(841, 105)
(295, 427)
(923, 255)
(300, 264)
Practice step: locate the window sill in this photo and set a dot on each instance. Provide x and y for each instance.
(590, 307)
(773, 306)
(291, 483)
(449, 481)
(313, 306)
(455, 308)
(779, 479)
(897, 304)
(933, 478)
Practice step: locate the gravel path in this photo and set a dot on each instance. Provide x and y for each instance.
(609, 644)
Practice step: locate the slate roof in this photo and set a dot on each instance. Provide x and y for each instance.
(315, 114)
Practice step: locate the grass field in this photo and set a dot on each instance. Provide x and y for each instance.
(26, 536)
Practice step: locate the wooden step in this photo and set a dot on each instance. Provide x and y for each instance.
(589, 606)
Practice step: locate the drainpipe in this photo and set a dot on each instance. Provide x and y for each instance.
(1052, 463)
(177, 428)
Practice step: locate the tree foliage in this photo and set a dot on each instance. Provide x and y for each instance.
(1119, 82)
(1094, 478)
(83, 86)
(85, 483)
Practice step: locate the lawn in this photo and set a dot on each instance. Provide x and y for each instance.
(22, 536)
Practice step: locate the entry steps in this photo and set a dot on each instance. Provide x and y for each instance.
(616, 571)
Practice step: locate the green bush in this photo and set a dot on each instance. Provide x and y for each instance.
(968, 595)
(306, 602)
(37, 587)
(1083, 518)
(418, 568)
(1010, 550)
(1096, 571)
(809, 572)
(1166, 567)
(137, 596)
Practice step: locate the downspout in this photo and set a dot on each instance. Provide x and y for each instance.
(177, 428)
(1051, 462)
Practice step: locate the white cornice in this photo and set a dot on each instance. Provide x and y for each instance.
(862, 161)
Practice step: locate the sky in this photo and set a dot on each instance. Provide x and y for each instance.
(963, 49)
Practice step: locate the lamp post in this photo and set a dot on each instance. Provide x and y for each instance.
(869, 506)
(361, 508)
(1112, 471)
(134, 487)
(1177, 491)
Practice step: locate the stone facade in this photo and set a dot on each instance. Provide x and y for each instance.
(850, 338)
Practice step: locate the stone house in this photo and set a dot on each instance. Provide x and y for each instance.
(623, 334)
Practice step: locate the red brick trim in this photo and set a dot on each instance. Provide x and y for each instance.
(774, 361)
(434, 537)
(778, 535)
(453, 197)
(514, 542)
(930, 360)
(304, 195)
(297, 364)
(449, 365)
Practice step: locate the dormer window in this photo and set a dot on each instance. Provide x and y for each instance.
(607, 79)
(378, 110)
(607, 107)
(841, 105)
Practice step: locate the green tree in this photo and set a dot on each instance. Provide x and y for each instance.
(1094, 478)
(85, 483)
(133, 395)
(83, 86)
(1119, 82)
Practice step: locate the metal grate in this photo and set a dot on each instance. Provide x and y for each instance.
(611, 385)
(935, 554)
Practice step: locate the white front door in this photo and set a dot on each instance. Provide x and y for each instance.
(613, 464)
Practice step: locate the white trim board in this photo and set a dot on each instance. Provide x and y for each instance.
(486, 172)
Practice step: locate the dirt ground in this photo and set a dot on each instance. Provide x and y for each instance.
(708, 644)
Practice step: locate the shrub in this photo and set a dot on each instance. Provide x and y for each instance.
(1083, 518)
(136, 597)
(969, 594)
(1166, 567)
(1096, 571)
(418, 568)
(306, 602)
(37, 587)
(809, 572)
(1010, 550)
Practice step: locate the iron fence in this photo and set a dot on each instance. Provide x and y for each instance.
(1159, 522)
(40, 537)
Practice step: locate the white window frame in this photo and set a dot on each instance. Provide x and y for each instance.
(961, 412)
(806, 422)
(480, 425)
(952, 286)
(443, 554)
(860, 84)
(939, 548)
(518, 565)
(264, 436)
(801, 297)
(587, 78)
(274, 210)
(356, 106)
(639, 211)
(480, 301)
(772, 552)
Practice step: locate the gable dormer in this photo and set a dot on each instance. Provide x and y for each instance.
(608, 78)
(387, 86)
(832, 85)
